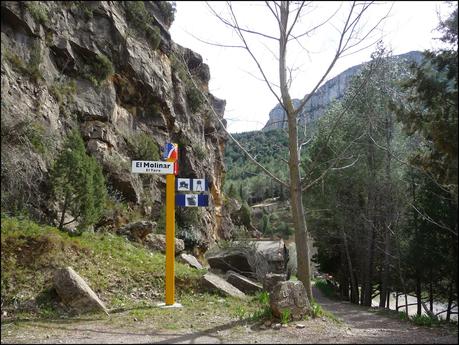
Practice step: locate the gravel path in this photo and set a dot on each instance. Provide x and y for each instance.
(360, 325)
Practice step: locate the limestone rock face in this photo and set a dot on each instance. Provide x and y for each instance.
(49, 85)
(331, 90)
(75, 292)
(292, 296)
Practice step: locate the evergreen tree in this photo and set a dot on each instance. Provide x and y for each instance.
(78, 184)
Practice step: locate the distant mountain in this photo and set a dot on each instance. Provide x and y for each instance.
(332, 89)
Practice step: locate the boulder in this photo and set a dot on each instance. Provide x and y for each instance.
(214, 283)
(75, 292)
(252, 259)
(158, 242)
(137, 231)
(190, 260)
(292, 296)
(242, 283)
(271, 280)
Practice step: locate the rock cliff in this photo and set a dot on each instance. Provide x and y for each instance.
(111, 70)
(333, 89)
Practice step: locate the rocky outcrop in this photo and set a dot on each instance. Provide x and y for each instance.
(331, 90)
(290, 296)
(137, 231)
(76, 293)
(86, 65)
(157, 242)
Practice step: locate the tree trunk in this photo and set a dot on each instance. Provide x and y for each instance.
(418, 294)
(64, 210)
(296, 200)
(385, 273)
(354, 287)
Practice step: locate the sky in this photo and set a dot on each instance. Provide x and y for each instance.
(235, 77)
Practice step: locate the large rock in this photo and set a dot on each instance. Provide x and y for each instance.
(137, 231)
(158, 242)
(242, 283)
(271, 280)
(190, 260)
(252, 259)
(75, 292)
(292, 296)
(215, 283)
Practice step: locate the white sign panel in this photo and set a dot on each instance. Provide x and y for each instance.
(152, 167)
(199, 185)
(183, 184)
(191, 200)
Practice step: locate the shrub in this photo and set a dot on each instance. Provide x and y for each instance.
(38, 11)
(199, 151)
(424, 320)
(246, 214)
(63, 91)
(168, 10)
(98, 70)
(194, 98)
(142, 21)
(143, 147)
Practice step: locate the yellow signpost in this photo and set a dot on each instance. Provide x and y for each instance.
(170, 170)
(170, 237)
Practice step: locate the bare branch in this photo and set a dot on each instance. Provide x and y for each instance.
(180, 58)
(430, 220)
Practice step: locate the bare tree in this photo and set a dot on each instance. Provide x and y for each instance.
(289, 17)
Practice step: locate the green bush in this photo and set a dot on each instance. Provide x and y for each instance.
(246, 214)
(199, 151)
(142, 21)
(323, 286)
(168, 11)
(38, 11)
(194, 97)
(424, 320)
(98, 70)
(143, 147)
(63, 91)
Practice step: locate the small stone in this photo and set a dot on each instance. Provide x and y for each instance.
(300, 325)
(277, 326)
(284, 325)
(268, 323)
(135, 319)
(4, 313)
(48, 336)
(263, 327)
(323, 319)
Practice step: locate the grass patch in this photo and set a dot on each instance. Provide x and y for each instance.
(114, 267)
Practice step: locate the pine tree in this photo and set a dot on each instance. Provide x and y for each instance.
(78, 184)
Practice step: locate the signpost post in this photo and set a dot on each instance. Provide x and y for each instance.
(171, 155)
(169, 167)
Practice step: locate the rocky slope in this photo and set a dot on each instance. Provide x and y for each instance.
(331, 90)
(111, 70)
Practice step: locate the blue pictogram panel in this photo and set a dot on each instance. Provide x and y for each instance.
(192, 200)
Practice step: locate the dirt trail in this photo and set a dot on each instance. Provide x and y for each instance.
(359, 326)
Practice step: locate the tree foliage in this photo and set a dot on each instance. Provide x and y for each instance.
(78, 184)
